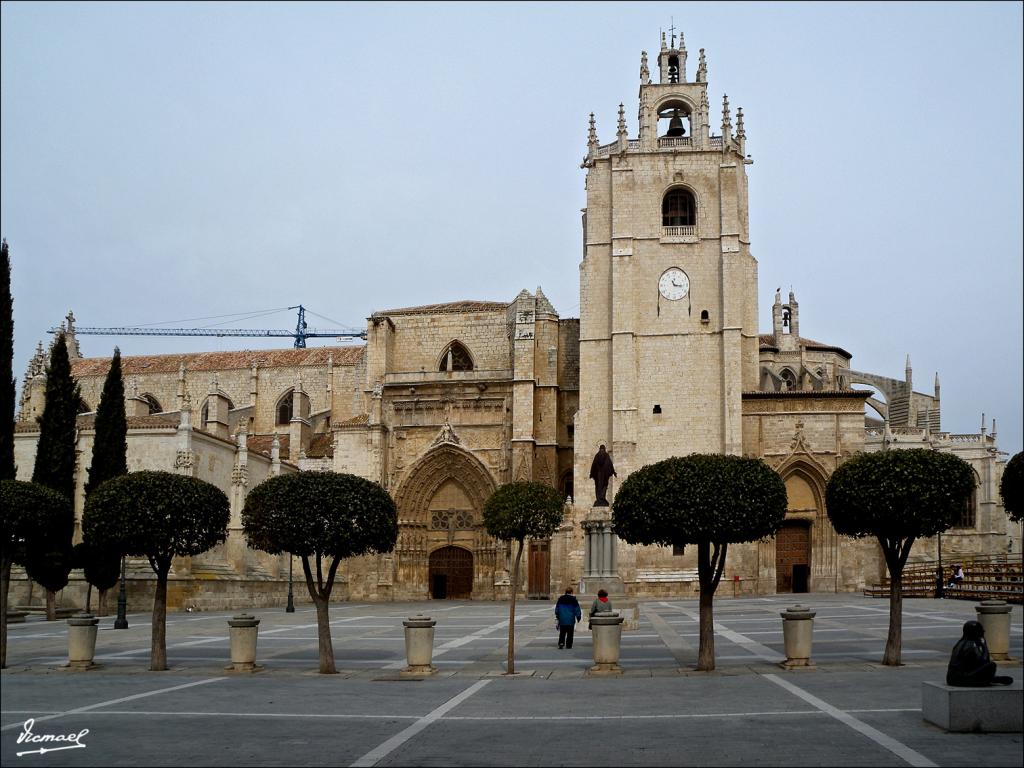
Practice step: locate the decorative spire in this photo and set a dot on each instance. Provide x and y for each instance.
(702, 68)
(740, 133)
(592, 135)
(726, 120)
(663, 46)
(622, 121)
(645, 73)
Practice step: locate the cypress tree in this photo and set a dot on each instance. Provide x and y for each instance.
(49, 562)
(110, 448)
(7, 468)
(109, 459)
(55, 454)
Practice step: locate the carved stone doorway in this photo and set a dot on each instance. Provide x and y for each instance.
(539, 571)
(793, 558)
(451, 574)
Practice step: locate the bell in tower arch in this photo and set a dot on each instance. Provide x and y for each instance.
(675, 125)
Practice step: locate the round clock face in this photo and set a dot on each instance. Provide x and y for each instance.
(674, 284)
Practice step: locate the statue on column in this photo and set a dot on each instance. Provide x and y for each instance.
(601, 471)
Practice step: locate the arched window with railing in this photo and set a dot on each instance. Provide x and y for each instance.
(154, 404)
(679, 211)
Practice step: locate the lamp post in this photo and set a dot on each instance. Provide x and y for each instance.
(290, 608)
(121, 622)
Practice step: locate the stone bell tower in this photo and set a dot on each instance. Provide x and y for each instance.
(668, 287)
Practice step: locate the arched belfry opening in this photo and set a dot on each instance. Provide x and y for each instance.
(679, 208)
(674, 120)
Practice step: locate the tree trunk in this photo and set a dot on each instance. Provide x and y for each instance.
(512, 612)
(323, 631)
(158, 647)
(5, 584)
(320, 599)
(88, 597)
(51, 605)
(706, 654)
(894, 642)
(101, 602)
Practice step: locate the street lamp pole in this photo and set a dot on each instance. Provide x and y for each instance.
(290, 608)
(121, 622)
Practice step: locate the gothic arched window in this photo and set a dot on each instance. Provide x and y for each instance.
(154, 404)
(969, 514)
(679, 209)
(788, 380)
(284, 408)
(456, 358)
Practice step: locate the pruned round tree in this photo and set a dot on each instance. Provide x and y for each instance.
(324, 518)
(709, 500)
(159, 516)
(516, 512)
(1011, 487)
(28, 512)
(898, 496)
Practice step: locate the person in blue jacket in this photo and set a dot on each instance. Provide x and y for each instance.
(567, 613)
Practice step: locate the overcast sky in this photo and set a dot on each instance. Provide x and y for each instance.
(165, 162)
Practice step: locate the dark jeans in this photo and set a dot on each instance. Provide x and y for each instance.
(565, 632)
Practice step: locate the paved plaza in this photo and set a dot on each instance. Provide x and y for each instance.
(850, 710)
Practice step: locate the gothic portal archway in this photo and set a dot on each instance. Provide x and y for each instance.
(806, 547)
(440, 507)
(451, 574)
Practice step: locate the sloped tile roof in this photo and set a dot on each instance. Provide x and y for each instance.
(220, 361)
(767, 340)
(453, 307)
(263, 443)
(362, 418)
(320, 446)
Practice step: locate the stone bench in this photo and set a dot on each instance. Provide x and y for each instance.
(994, 709)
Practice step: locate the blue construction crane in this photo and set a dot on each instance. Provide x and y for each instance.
(300, 334)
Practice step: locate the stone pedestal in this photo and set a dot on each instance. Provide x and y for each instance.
(797, 629)
(419, 645)
(600, 559)
(994, 616)
(607, 631)
(82, 640)
(243, 629)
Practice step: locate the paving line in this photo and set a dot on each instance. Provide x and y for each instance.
(458, 642)
(91, 707)
(757, 649)
(681, 650)
(898, 748)
(376, 755)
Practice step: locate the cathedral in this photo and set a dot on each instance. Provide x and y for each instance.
(443, 403)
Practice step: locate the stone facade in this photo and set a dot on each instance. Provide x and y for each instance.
(445, 402)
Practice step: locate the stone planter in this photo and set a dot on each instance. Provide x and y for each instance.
(797, 629)
(607, 632)
(419, 645)
(994, 616)
(82, 640)
(243, 629)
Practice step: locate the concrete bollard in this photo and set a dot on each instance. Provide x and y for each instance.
(243, 629)
(419, 645)
(82, 640)
(607, 632)
(994, 616)
(797, 630)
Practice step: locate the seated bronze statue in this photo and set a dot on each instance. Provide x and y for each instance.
(970, 664)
